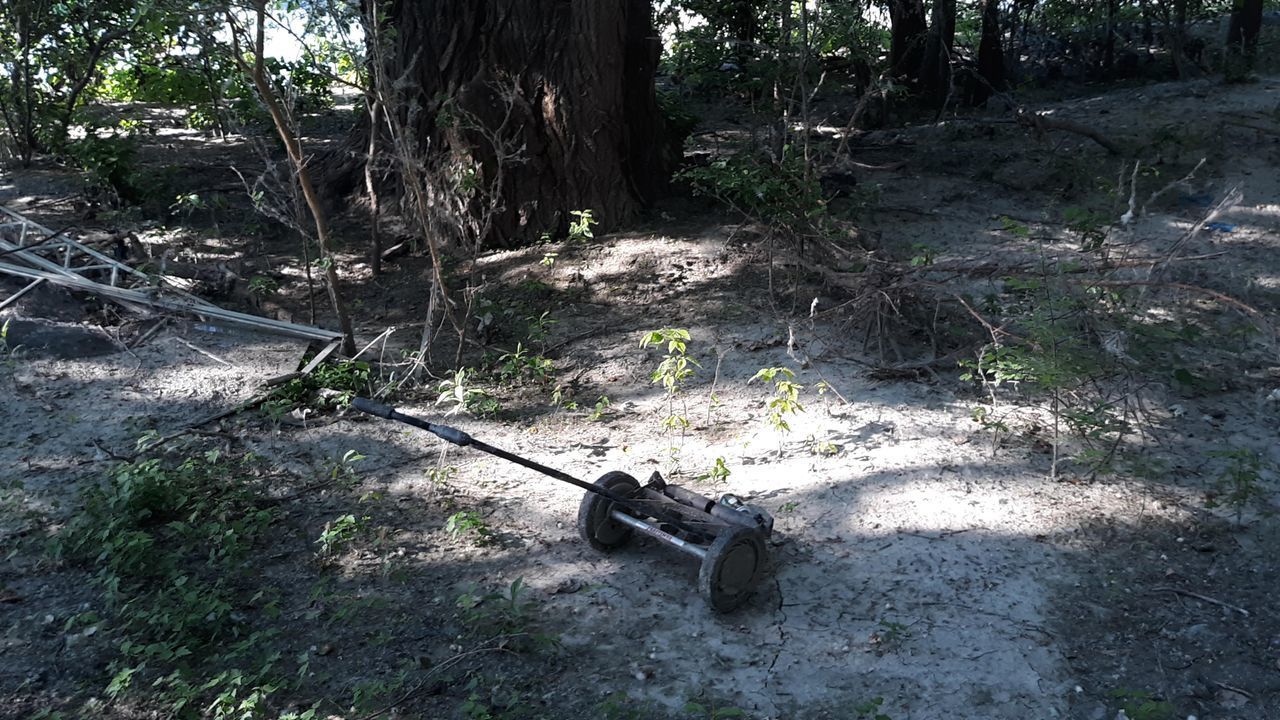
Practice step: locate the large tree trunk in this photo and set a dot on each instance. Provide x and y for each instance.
(935, 67)
(1242, 37)
(744, 30)
(990, 55)
(906, 38)
(558, 92)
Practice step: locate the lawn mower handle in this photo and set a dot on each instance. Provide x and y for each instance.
(458, 437)
(444, 432)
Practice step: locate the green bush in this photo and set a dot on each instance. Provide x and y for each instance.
(778, 194)
(110, 161)
(171, 85)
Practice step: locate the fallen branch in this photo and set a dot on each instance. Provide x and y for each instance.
(1176, 183)
(1259, 128)
(913, 369)
(500, 645)
(891, 166)
(1205, 598)
(1039, 122)
(1221, 297)
(1230, 200)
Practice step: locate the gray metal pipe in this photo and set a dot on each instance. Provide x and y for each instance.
(663, 537)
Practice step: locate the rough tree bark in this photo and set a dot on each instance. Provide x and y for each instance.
(935, 67)
(567, 82)
(990, 55)
(906, 37)
(1242, 37)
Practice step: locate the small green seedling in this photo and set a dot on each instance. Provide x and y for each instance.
(718, 473)
(580, 226)
(710, 711)
(602, 409)
(870, 710)
(1240, 481)
(338, 533)
(466, 522)
(465, 397)
(440, 476)
(673, 372)
(786, 395)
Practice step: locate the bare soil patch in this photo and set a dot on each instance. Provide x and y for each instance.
(921, 571)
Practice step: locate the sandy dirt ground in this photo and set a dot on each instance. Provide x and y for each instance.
(918, 570)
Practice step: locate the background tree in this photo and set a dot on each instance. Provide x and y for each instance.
(1242, 37)
(50, 55)
(990, 55)
(906, 37)
(570, 84)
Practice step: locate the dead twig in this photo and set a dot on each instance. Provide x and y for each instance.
(1239, 691)
(1220, 297)
(1251, 126)
(1230, 200)
(203, 352)
(499, 645)
(1040, 122)
(1176, 183)
(1204, 598)
(912, 369)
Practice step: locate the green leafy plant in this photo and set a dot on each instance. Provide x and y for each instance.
(369, 694)
(1143, 705)
(822, 447)
(601, 409)
(1055, 357)
(870, 710)
(441, 476)
(1013, 227)
(520, 365)
(328, 386)
(580, 226)
(342, 470)
(504, 612)
(169, 544)
(922, 255)
(783, 195)
(111, 162)
(468, 523)
(786, 395)
(261, 287)
(712, 711)
(539, 328)
(718, 473)
(1240, 480)
(1090, 226)
(463, 396)
(338, 533)
(560, 397)
(889, 637)
(675, 370)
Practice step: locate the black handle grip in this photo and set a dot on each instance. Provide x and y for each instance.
(365, 405)
(444, 432)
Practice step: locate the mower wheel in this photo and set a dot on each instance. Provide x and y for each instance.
(595, 522)
(733, 566)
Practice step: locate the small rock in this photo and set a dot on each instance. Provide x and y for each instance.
(568, 587)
